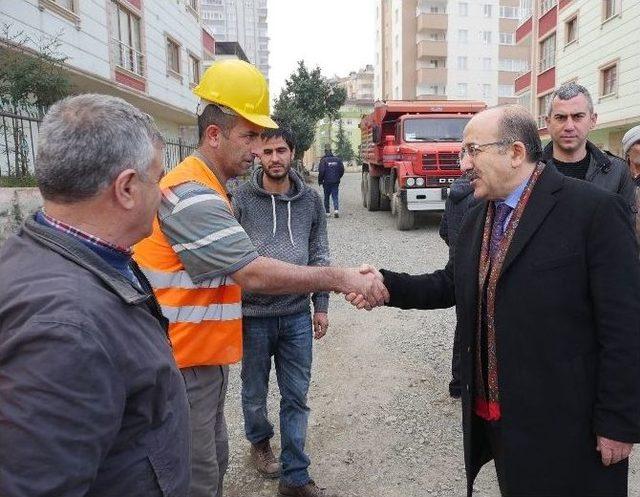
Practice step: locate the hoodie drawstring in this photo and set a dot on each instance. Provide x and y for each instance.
(289, 222)
(273, 206)
(273, 209)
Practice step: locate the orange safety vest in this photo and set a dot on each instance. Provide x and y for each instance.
(205, 319)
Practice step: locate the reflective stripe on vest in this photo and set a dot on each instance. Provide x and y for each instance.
(205, 318)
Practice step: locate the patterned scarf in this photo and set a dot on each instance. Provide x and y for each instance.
(487, 403)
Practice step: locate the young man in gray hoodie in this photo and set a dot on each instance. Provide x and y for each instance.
(285, 220)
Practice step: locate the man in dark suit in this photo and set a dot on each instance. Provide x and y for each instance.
(546, 285)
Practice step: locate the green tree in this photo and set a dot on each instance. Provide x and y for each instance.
(306, 98)
(343, 147)
(31, 70)
(32, 77)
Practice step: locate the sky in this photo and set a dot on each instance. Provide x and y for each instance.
(337, 35)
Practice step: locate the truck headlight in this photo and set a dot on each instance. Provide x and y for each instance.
(411, 182)
(419, 181)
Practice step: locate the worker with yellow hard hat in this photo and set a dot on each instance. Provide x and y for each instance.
(198, 259)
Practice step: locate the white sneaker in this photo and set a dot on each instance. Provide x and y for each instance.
(336, 214)
(328, 215)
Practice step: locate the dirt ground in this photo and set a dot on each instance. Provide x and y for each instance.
(382, 423)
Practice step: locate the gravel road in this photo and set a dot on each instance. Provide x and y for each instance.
(382, 423)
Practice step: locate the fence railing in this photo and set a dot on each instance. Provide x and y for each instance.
(18, 140)
(19, 144)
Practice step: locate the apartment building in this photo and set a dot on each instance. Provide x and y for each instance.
(358, 84)
(148, 53)
(592, 42)
(445, 49)
(242, 21)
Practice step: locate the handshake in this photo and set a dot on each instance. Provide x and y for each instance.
(365, 288)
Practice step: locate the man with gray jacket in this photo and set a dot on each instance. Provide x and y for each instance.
(285, 220)
(92, 402)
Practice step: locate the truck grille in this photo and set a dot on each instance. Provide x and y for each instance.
(440, 160)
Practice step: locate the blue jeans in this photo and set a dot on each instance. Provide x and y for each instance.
(289, 340)
(331, 189)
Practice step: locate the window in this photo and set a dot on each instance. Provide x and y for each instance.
(486, 37)
(610, 8)
(571, 30)
(463, 9)
(486, 10)
(548, 53)
(486, 63)
(525, 100)
(194, 70)
(509, 12)
(546, 6)
(67, 9)
(513, 65)
(463, 36)
(505, 90)
(462, 89)
(486, 91)
(173, 56)
(543, 105)
(66, 4)
(609, 80)
(126, 39)
(507, 39)
(462, 63)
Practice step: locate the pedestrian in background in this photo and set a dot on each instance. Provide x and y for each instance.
(631, 152)
(330, 171)
(93, 403)
(281, 326)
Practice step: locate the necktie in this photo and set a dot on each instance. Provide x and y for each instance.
(497, 229)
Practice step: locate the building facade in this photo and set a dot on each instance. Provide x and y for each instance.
(359, 84)
(592, 42)
(242, 21)
(147, 52)
(445, 49)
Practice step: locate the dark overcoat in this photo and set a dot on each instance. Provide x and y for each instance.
(567, 333)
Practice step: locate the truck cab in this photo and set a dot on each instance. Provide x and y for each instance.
(410, 155)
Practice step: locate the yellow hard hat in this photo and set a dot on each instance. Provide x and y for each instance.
(239, 86)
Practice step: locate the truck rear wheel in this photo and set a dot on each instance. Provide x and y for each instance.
(364, 183)
(385, 201)
(404, 218)
(373, 193)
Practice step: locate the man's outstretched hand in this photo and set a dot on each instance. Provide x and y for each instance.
(359, 300)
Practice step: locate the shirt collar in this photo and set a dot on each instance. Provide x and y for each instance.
(514, 196)
(83, 235)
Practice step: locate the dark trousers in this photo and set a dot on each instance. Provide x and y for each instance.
(331, 191)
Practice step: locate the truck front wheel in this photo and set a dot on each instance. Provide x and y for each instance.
(405, 219)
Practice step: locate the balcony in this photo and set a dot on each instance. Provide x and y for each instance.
(429, 76)
(128, 58)
(429, 49)
(431, 22)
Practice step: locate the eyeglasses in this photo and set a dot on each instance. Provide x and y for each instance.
(473, 149)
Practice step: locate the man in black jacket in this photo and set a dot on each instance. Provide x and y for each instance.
(547, 292)
(93, 404)
(569, 119)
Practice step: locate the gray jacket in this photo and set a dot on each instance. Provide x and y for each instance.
(93, 403)
(606, 171)
(290, 227)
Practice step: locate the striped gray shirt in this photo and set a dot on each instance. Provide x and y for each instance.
(203, 232)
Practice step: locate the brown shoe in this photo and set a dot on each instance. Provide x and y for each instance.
(308, 490)
(264, 460)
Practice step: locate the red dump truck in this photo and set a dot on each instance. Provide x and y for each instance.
(409, 155)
